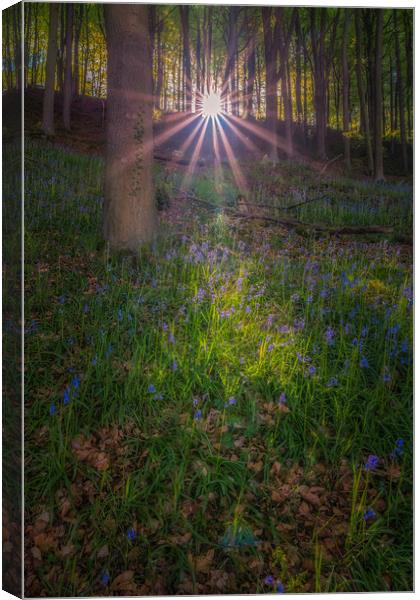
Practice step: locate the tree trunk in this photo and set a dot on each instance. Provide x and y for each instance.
(186, 56)
(401, 95)
(130, 216)
(26, 43)
(283, 39)
(346, 89)
(35, 47)
(198, 64)
(271, 108)
(364, 112)
(320, 101)
(77, 30)
(86, 57)
(298, 80)
(17, 15)
(68, 78)
(48, 103)
(379, 167)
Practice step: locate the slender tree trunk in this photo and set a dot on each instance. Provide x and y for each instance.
(35, 47)
(186, 56)
(198, 64)
(408, 34)
(26, 42)
(364, 112)
(77, 30)
(130, 217)
(17, 44)
(68, 78)
(318, 52)
(271, 107)
(160, 64)
(298, 80)
(401, 94)
(86, 57)
(280, 33)
(250, 68)
(60, 60)
(346, 90)
(48, 104)
(379, 167)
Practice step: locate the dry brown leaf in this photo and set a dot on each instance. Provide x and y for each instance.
(124, 582)
(202, 563)
(304, 509)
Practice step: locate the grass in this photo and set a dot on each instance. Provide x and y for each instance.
(220, 394)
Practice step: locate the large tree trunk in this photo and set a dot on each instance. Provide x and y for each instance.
(346, 89)
(401, 94)
(271, 107)
(68, 77)
(186, 56)
(48, 104)
(284, 38)
(364, 112)
(130, 217)
(250, 70)
(378, 133)
(319, 60)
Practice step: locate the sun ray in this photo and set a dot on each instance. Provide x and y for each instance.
(191, 167)
(236, 171)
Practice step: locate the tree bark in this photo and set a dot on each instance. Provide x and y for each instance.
(364, 112)
(48, 102)
(318, 52)
(378, 133)
(271, 107)
(401, 94)
(68, 78)
(346, 89)
(186, 56)
(130, 216)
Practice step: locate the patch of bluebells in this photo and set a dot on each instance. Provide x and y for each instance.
(269, 580)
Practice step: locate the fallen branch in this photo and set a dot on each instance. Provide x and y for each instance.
(328, 163)
(343, 230)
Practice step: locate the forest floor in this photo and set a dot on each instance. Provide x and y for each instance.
(232, 411)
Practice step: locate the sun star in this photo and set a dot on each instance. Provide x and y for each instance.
(211, 106)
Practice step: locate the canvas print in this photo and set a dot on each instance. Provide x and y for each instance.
(208, 299)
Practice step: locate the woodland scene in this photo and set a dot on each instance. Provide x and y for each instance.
(218, 308)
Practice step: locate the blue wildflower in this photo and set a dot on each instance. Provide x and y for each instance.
(197, 415)
(364, 363)
(232, 400)
(75, 382)
(369, 514)
(312, 370)
(332, 382)
(66, 396)
(280, 587)
(119, 315)
(399, 442)
(372, 462)
(53, 409)
(104, 578)
(151, 388)
(131, 534)
(174, 365)
(282, 398)
(269, 580)
(329, 336)
(94, 361)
